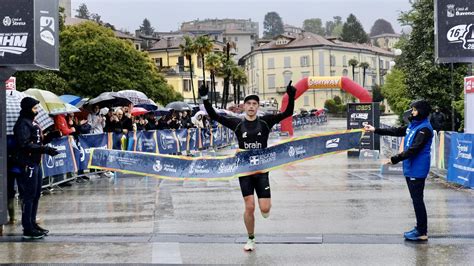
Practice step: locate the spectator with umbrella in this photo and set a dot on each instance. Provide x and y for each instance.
(96, 120)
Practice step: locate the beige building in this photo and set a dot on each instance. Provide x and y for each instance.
(292, 57)
(385, 41)
(166, 54)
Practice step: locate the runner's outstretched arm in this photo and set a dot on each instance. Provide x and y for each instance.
(227, 122)
(275, 119)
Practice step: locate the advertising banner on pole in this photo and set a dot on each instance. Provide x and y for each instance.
(454, 31)
(461, 163)
(167, 142)
(147, 142)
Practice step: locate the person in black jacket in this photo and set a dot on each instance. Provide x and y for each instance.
(27, 157)
(252, 132)
(416, 157)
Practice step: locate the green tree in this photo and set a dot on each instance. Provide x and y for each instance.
(381, 26)
(203, 46)
(146, 28)
(93, 60)
(239, 77)
(424, 78)
(377, 95)
(353, 63)
(396, 91)
(83, 12)
(334, 27)
(188, 48)
(214, 64)
(314, 25)
(364, 66)
(272, 25)
(352, 31)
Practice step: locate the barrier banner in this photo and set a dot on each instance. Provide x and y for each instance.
(206, 138)
(193, 139)
(84, 145)
(182, 135)
(225, 167)
(147, 142)
(461, 164)
(167, 142)
(217, 136)
(119, 141)
(64, 162)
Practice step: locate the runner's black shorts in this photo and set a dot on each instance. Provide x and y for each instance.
(258, 183)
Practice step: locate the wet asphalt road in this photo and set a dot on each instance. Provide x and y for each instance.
(332, 210)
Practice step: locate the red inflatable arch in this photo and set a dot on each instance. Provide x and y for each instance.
(314, 83)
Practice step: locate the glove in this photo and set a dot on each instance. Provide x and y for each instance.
(51, 151)
(203, 91)
(290, 90)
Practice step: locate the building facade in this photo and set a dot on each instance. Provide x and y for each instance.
(244, 33)
(166, 54)
(385, 41)
(271, 66)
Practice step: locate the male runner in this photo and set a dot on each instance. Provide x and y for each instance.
(252, 133)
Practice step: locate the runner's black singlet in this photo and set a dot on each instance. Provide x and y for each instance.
(252, 135)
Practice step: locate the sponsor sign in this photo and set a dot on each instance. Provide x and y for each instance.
(224, 167)
(469, 85)
(10, 84)
(461, 163)
(29, 33)
(64, 162)
(360, 114)
(324, 82)
(454, 31)
(84, 146)
(167, 142)
(469, 105)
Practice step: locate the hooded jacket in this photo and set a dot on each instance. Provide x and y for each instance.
(417, 144)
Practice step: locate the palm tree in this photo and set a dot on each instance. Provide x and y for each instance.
(239, 77)
(187, 50)
(228, 65)
(213, 64)
(204, 46)
(364, 66)
(353, 63)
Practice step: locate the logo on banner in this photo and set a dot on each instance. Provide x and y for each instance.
(300, 150)
(157, 167)
(453, 11)
(462, 34)
(47, 30)
(464, 151)
(13, 43)
(195, 168)
(262, 159)
(332, 143)
(50, 162)
(82, 152)
(228, 168)
(8, 21)
(469, 84)
(10, 84)
(359, 116)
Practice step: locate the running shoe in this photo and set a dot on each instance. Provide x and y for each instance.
(265, 214)
(250, 246)
(32, 234)
(414, 235)
(41, 229)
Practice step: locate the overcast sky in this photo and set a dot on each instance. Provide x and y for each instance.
(167, 15)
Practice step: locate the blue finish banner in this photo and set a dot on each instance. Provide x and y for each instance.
(64, 162)
(461, 164)
(147, 141)
(245, 162)
(193, 139)
(84, 145)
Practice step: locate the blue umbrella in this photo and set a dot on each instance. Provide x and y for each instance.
(70, 99)
(162, 111)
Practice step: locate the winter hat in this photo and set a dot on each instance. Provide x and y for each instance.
(28, 103)
(423, 108)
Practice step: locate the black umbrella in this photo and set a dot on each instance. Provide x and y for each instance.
(108, 99)
(179, 106)
(162, 111)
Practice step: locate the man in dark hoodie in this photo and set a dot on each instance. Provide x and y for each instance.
(29, 142)
(416, 161)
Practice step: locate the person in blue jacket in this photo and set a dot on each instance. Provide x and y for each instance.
(416, 161)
